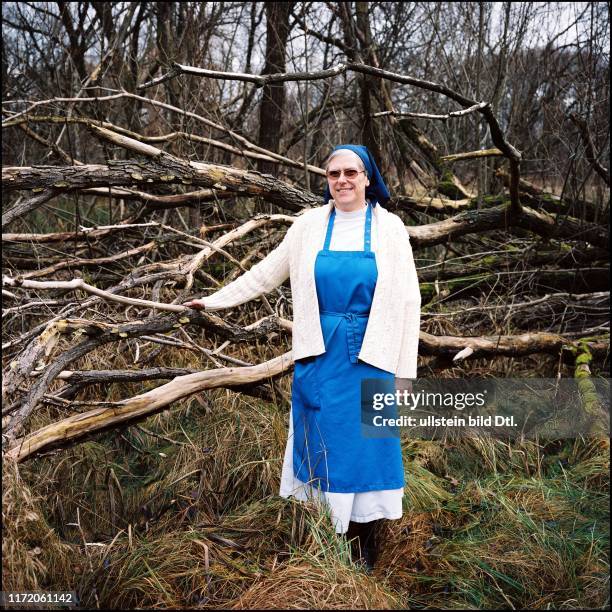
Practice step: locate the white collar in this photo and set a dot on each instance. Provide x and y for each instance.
(351, 214)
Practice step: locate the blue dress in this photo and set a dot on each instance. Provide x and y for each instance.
(329, 450)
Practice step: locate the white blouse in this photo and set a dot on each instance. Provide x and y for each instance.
(347, 235)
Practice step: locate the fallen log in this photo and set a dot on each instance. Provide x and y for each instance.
(159, 168)
(134, 409)
(514, 257)
(510, 346)
(141, 406)
(100, 334)
(500, 218)
(534, 281)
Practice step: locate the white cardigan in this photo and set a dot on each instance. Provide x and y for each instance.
(392, 334)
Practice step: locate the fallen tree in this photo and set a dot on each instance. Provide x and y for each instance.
(113, 414)
(74, 292)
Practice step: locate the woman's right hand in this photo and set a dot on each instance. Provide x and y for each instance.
(195, 304)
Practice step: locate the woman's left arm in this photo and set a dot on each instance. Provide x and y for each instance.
(407, 365)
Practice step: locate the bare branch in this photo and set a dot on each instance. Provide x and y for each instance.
(12, 120)
(21, 208)
(472, 155)
(497, 135)
(585, 134)
(85, 232)
(461, 113)
(79, 283)
(82, 262)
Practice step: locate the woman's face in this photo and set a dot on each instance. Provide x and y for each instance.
(348, 193)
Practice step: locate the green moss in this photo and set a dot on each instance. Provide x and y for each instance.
(489, 260)
(584, 357)
(493, 200)
(450, 190)
(549, 198)
(446, 185)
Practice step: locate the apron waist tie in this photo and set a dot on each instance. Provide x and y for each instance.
(351, 329)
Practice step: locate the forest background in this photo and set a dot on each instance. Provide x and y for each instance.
(153, 151)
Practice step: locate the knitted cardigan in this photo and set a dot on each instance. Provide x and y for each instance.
(392, 334)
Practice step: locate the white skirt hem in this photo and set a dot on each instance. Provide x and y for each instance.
(360, 507)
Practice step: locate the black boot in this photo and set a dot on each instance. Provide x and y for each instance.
(364, 543)
(369, 544)
(353, 537)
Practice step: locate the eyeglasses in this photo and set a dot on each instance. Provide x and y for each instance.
(351, 173)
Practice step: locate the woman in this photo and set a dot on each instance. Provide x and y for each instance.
(356, 314)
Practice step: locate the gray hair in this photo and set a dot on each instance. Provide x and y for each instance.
(341, 152)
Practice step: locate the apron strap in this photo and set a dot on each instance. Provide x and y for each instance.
(330, 227)
(367, 232)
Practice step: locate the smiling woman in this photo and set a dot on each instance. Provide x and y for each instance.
(356, 314)
(345, 184)
(327, 458)
(347, 179)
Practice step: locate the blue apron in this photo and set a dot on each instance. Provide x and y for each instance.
(329, 450)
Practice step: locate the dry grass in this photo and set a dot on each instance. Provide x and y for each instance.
(306, 586)
(34, 558)
(192, 518)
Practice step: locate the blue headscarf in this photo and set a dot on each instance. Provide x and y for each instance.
(376, 191)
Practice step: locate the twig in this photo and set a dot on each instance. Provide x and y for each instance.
(79, 283)
(460, 113)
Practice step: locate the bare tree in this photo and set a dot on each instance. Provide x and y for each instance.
(271, 109)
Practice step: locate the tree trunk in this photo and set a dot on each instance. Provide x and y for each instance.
(273, 98)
